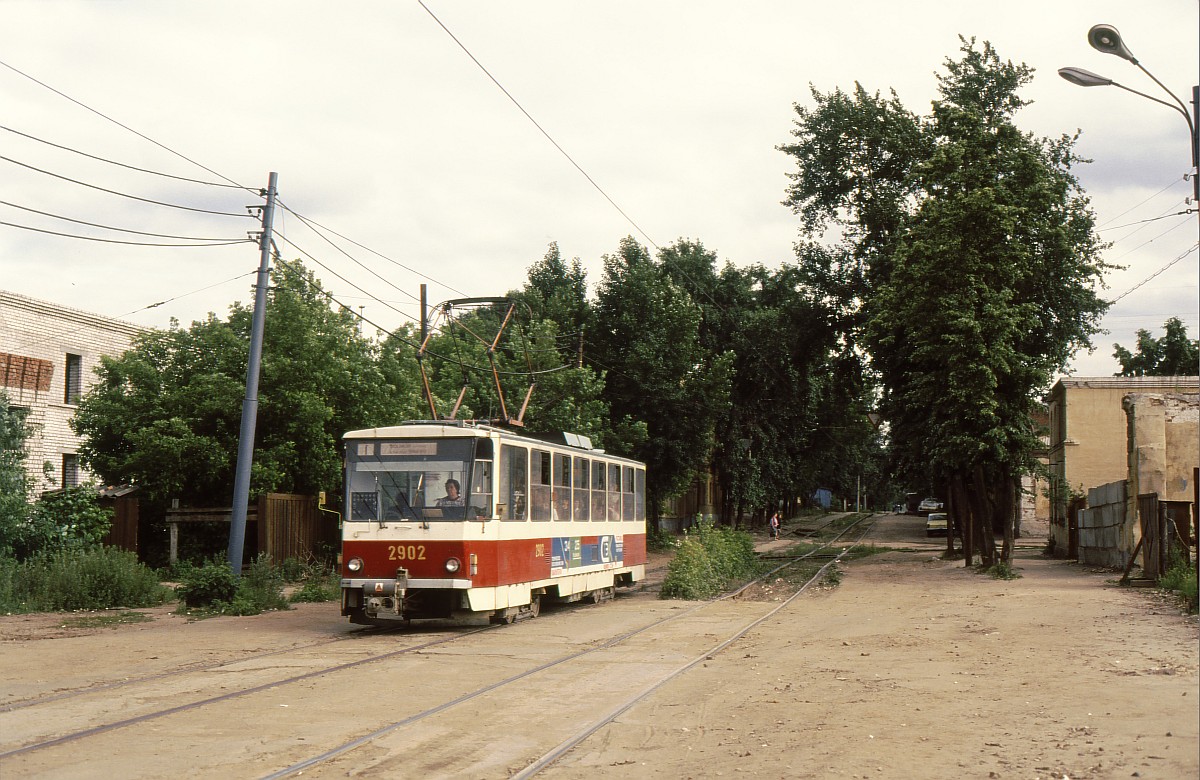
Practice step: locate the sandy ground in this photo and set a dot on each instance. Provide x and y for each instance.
(912, 667)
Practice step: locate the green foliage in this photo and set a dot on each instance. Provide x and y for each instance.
(647, 341)
(658, 540)
(319, 583)
(1172, 355)
(207, 584)
(166, 414)
(78, 579)
(212, 589)
(1180, 577)
(708, 561)
(968, 265)
(14, 481)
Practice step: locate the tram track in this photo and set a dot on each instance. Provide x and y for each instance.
(548, 758)
(551, 668)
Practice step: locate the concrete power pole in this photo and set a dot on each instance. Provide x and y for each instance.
(241, 484)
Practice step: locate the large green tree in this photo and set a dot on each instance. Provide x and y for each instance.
(978, 268)
(1174, 354)
(166, 414)
(647, 344)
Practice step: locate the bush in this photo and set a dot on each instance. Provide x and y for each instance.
(320, 583)
(1180, 577)
(212, 588)
(62, 520)
(708, 562)
(79, 579)
(205, 585)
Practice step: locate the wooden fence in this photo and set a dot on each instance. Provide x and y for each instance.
(283, 525)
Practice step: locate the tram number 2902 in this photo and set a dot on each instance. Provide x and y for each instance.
(406, 552)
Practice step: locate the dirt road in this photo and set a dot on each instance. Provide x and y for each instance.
(912, 667)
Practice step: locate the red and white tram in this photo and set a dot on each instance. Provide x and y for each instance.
(455, 517)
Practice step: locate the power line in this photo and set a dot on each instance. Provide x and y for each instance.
(1189, 250)
(1151, 240)
(120, 164)
(109, 227)
(116, 241)
(1144, 202)
(311, 222)
(538, 126)
(122, 194)
(349, 310)
(125, 127)
(1183, 213)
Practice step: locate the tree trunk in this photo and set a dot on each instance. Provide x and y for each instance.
(963, 509)
(1010, 508)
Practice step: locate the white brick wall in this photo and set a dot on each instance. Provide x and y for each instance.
(38, 329)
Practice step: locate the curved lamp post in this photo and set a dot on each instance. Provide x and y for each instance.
(1105, 38)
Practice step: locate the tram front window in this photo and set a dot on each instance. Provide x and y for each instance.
(409, 479)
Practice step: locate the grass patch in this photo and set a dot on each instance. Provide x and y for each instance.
(107, 620)
(999, 571)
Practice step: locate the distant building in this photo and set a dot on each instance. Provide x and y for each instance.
(48, 357)
(1089, 443)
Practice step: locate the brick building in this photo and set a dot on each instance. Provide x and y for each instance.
(48, 357)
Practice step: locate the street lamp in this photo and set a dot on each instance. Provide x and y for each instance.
(1105, 38)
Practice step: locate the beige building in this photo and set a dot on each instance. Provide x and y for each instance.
(1092, 443)
(48, 357)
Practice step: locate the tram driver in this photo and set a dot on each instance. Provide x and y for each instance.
(453, 495)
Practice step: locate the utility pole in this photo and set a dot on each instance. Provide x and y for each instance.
(241, 483)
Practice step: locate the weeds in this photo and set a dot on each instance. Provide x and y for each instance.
(708, 561)
(1180, 578)
(79, 579)
(212, 589)
(319, 583)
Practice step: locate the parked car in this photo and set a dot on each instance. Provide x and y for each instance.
(937, 524)
(928, 505)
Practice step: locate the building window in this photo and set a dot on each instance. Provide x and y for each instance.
(74, 379)
(70, 471)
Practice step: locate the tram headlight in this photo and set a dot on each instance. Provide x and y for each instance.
(354, 564)
(453, 565)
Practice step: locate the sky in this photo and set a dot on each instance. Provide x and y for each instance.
(449, 143)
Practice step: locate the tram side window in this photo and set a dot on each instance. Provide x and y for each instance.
(581, 489)
(627, 490)
(539, 487)
(562, 487)
(614, 492)
(599, 469)
(514, 476)
(480, 499)
(639, 495)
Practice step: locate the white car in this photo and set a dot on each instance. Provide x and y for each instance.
(928, 505)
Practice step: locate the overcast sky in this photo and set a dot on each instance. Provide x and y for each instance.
(383, 129)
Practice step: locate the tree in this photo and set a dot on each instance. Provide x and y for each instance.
(978, 265)
(1172, 355)
(646, 344)
(14, 481)
(166, 414)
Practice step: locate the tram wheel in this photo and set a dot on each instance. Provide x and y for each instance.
(535, 607)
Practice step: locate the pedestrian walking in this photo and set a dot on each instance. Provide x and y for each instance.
(775, 527)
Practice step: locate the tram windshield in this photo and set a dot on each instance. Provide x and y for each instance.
(419, 479)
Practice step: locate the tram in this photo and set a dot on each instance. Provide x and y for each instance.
(449, 518)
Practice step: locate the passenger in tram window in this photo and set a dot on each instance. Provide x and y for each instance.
(453, 497)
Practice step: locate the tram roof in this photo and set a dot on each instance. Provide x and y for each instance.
(413, 429)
